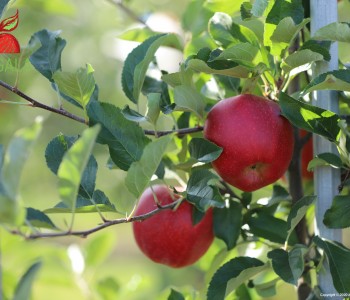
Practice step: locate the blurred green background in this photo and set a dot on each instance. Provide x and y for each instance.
(107, 265)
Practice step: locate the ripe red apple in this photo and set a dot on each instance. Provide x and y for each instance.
(307, 154)
(257, 141)
(169, 237)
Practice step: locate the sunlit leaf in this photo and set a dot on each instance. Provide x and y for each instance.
(309, 117)
(336, 32)
(187, 98)
(79, 85)
(284, 33)
(226, 32)
(9, 24)
(325, 159)
(300, 60)
(333, 80)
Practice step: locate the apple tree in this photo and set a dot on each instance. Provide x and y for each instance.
(260, 63)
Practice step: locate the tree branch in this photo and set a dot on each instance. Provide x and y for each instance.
(63, 112)
(35, 103)
(128, 11)
(85, 233)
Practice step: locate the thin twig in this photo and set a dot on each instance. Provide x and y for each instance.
(35, 103)
(179, 132)
(85, 233)
(131, 14)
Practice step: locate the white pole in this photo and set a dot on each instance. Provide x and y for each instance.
(327, 179)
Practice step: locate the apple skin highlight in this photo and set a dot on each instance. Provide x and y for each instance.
(257, 141)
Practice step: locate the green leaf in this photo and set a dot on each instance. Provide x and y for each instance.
(39, 219)
(3, 4)
(152, 85)
(319, 47)
(24, 286)
(335, 32)
(288, 265)
(232, 274)
(310, 118)
(270, 228)
(73, 164)
(204, 150)
(284, 33)
(244, 54)
(338, 215)
(54, 153)
(16, 156)
(200, 191)
(286, 8)
(98, 202)
(259, 7)
(297, 212)
(79, 85)
(246, 10)
(13, 163)
(226, 33)
(108, 288)
(339, 262)
(47, 59)
(98, 248)
(300, 61)
(280, 10)
(233, 70)
(132, 115)
(338, 80)
(141, 172)
(187, 98)
(279, 194)
(325, 159)
(153, 107)
(228, 222)
(125, 139)
(138, 60)
(175, 295)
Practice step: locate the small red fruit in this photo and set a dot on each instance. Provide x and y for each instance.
(257, 141)
(9, 44)
(169, 237)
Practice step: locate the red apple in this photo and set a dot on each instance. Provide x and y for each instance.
(307, 154)
(9, 44)
(169, 237)
(257, 141)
